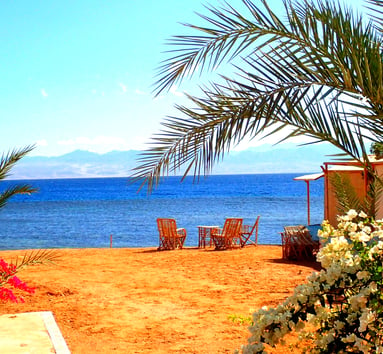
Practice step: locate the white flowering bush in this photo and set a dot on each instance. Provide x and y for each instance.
(343, 303)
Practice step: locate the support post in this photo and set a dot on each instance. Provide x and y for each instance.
(308, 201)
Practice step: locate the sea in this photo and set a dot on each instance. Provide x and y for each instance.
(112, 212)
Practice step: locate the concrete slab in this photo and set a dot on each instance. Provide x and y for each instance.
(32, 333)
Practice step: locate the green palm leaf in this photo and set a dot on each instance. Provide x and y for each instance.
(319, 72)
(37, 257)
(7, 162)
(12, 191)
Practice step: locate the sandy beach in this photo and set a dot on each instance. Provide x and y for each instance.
(145, 301)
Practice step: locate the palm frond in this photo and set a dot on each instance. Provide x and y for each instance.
(230, 35)
(345, 194)
(373, 197)
(376, 13)
(12, 191)
(292, 73)
(220, 121)
(347, 197)
(41, 256)
(7, 162)
(9, 159)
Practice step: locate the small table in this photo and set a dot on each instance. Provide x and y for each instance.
(204, 232)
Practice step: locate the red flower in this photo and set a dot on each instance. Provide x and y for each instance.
(7, 276)
(8, 295)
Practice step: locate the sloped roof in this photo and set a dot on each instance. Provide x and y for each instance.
(315, 176)
(312, 177)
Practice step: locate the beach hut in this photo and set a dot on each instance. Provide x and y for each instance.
(354, 173)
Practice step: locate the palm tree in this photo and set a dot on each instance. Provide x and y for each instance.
(319, 71)
(8, 279)
(7, 161)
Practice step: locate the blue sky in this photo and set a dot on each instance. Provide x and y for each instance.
(78, 74)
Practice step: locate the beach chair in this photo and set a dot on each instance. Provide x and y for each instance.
(229, 236)
(170, 236)
(297, 243)
(289, 251)
(247, 232)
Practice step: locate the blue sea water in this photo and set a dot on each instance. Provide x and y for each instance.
(77, 213)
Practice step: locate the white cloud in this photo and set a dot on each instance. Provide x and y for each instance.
(95, 92)
(102, 144)
(44, 93)
(41, 142)
(123, 87)
(173, 90)
(139, 92)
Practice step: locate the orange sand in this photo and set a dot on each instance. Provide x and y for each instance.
(145, 301)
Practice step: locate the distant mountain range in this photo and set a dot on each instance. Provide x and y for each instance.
(283, 158)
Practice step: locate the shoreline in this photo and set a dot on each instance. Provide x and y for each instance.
(140, 300)
(185, 248)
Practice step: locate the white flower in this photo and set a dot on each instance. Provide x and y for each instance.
(352, 317)
(325, 340)
(360, 236)
(363, 346)
(377, 234)
(366, 318)
(373, 287)
(358, 302)
(363, 275)
(350, 338)
(345, 267)
(351, 214)
(338, 325)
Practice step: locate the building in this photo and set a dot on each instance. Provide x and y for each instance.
(354, 172)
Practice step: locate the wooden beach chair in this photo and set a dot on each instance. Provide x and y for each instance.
(247, 232)
(297, 243)
(229, 236)
(170, 236)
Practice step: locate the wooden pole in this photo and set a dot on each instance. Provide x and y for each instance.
(308, 201)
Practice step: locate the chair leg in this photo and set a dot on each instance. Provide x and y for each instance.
(219, 243)
(244, 239)
(180, 242)
(161, 245)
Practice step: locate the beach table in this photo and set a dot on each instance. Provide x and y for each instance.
(204, 235)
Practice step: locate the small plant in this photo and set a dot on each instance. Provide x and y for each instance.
(10, 285)
(377, 149)
(343, 303)
(241, 319)
(8, 280)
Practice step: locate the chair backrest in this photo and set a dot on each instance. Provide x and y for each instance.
(167, 227)
(294, 228)
(299, 234)
(232, 227)
(255, 226)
